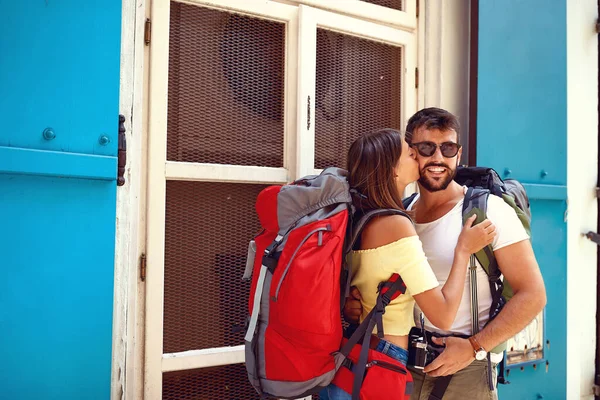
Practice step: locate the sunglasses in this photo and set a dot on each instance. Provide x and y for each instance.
(427, 149)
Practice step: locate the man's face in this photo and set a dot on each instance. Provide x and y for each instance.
(436, 170)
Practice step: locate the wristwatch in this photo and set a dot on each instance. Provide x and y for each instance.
(479, 351)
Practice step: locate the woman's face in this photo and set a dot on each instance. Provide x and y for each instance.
(407, 170)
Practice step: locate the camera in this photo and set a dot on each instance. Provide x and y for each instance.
(420, 352)
(421, 349)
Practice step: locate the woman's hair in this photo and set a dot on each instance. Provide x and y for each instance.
(371, 162)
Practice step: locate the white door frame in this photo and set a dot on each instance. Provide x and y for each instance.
(129, 294)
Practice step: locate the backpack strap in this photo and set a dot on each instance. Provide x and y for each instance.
(366, 218)
(393, 286)
(475, 203)
(407, 201)
(439, 387)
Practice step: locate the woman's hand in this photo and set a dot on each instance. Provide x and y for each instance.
(474, 238)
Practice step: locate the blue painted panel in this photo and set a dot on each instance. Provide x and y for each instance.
(521, 91)
(55, 163)
(59, 69)
(63, 73)
(57, 258)
(546, 192)
(521, 126)
(548, 239)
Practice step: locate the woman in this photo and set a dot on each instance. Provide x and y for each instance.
(380, 166)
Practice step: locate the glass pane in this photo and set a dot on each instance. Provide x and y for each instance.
(208, 227)
(226, 88)
(358, 90)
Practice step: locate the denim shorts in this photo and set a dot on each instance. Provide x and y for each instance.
(333, 392)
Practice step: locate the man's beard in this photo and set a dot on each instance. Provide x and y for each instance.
(435, 185)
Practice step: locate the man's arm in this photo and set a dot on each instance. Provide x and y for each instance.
(519, 267)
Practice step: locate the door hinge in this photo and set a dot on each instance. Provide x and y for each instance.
(148, 31)
(598, 26)
(143, 267)
(416, 78)
(122, 152)
(417, 11)
(594, 237)
(596, 390)
(598, 192)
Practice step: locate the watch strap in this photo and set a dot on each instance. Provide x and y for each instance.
(475, 344)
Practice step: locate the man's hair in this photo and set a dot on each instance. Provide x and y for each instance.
(371, 162)
(432, 118)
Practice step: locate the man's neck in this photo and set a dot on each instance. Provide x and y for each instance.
(433, 205)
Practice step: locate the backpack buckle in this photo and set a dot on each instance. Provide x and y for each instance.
(270, 261)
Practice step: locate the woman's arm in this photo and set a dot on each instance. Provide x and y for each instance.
(440, 305)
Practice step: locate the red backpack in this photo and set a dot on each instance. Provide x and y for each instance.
(294, 341)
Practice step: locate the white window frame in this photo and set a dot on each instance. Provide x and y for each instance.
(310, 19)
(405, 19)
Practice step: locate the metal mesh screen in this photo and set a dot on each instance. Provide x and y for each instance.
(395, 4)
(208, 227)
(229, 382)
(226, 88)
(358, 90)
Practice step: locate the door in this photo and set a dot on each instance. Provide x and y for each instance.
(244, 95)
(521, 132)
(59, 79)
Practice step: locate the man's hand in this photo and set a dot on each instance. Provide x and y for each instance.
(352, 307)
(457, 355)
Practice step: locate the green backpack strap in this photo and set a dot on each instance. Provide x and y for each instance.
(475, 203)
(523, 217)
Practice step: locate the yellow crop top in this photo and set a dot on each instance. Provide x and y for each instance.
(404, 257)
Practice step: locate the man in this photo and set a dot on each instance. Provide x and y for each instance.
(434, 134)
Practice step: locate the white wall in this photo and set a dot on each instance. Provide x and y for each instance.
(444, 41)
(582, 168)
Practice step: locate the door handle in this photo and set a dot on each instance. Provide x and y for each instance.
(594, 237)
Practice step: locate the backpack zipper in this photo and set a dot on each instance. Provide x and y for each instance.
(287, 267)
(386, 365)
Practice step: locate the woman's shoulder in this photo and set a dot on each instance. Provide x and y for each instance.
(385, 230)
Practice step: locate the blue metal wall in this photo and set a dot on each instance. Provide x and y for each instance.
(59, 69)
(521, 132)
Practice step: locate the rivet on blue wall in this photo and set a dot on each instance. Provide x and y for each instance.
(48, 134)
(104, 140)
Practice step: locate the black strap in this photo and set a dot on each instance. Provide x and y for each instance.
(501, 378)
(489, 374)
(439, 387)
(364, 220)
(359, 371)
(397, 286)
(346, 274)
(364, 332)
(407, 201)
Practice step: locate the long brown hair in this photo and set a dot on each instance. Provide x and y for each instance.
(371, 162)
